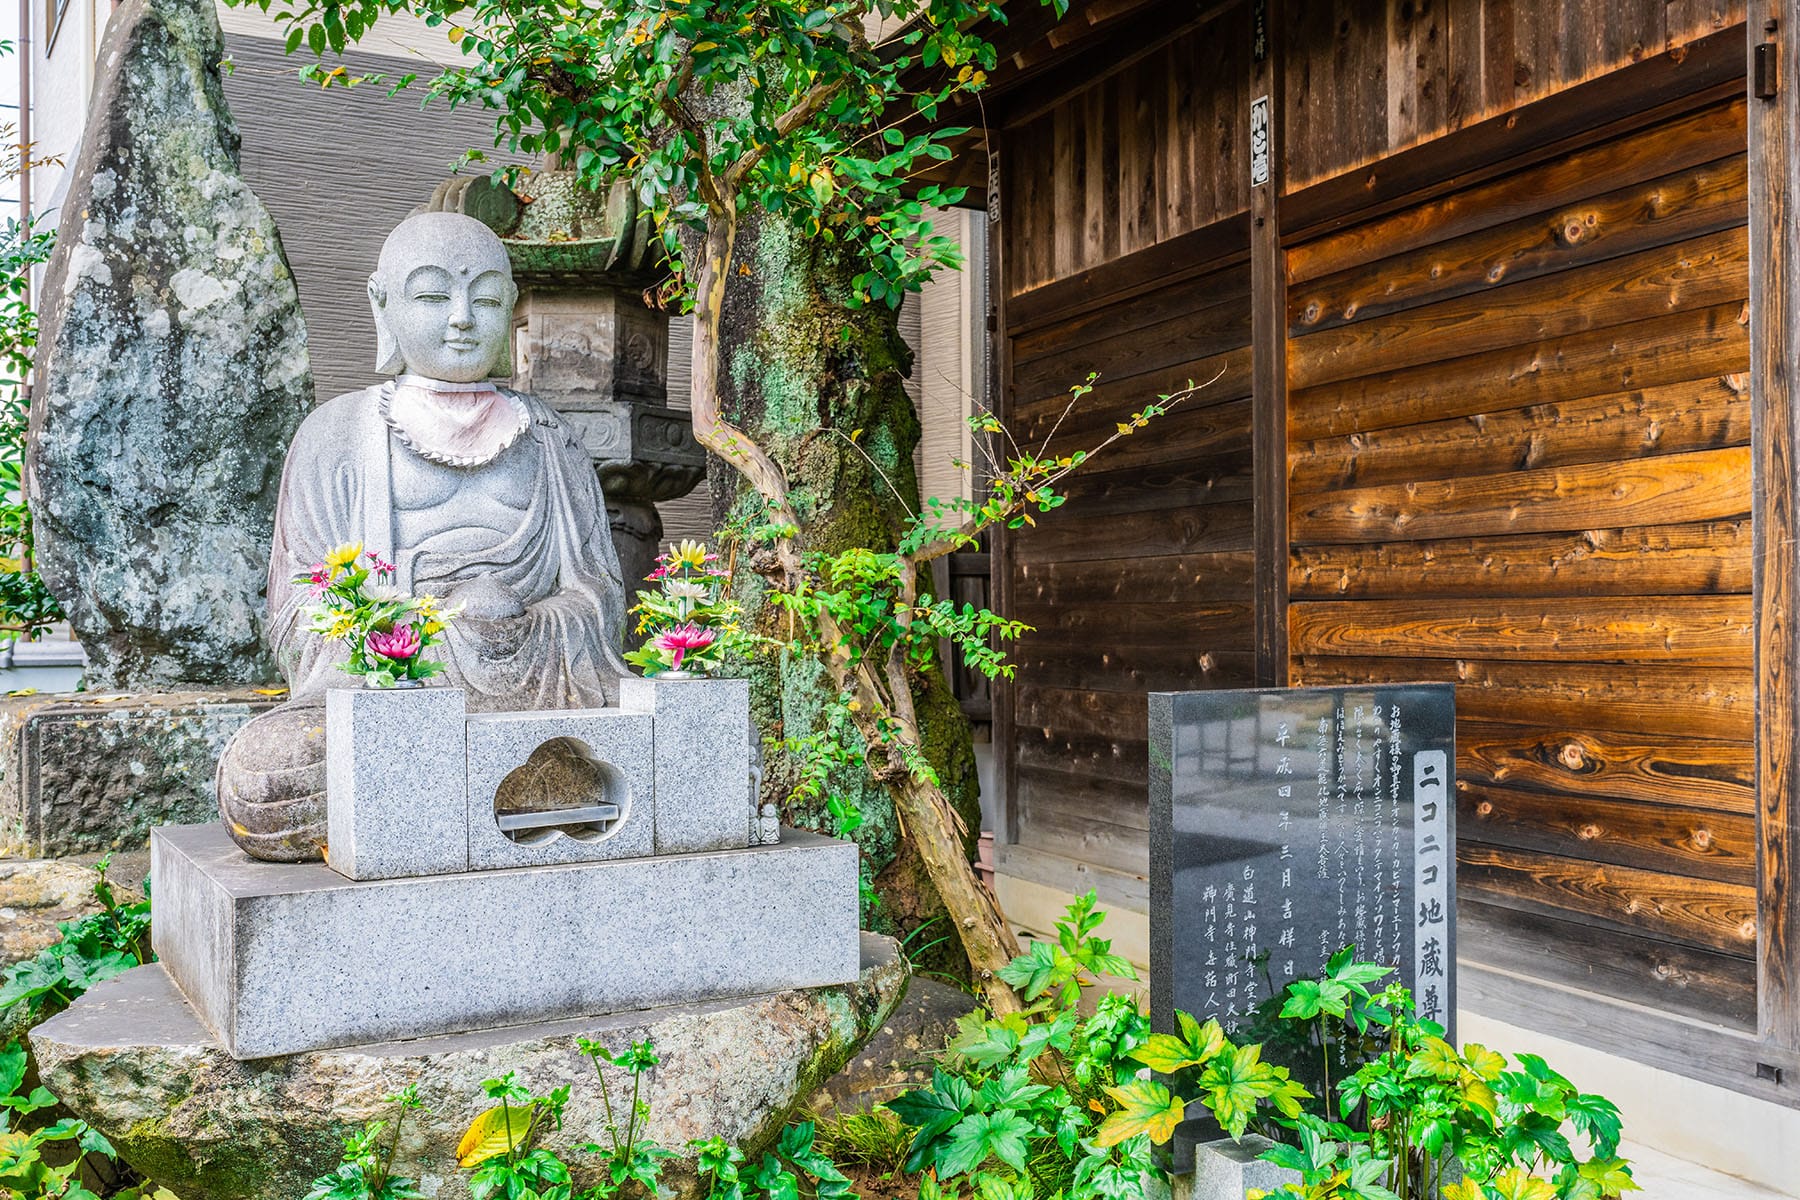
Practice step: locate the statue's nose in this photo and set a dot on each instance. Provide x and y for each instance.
(461, 315)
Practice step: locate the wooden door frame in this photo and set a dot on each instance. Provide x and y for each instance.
(1773, 29)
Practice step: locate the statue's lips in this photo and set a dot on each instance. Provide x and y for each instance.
(463, 344)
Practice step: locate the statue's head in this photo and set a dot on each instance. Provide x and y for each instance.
(443, 297)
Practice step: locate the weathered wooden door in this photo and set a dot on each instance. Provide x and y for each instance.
(1518, 459)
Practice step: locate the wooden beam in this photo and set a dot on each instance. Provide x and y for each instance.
(1643, 94)
(1124, 45)
(1269, 345)
(1000, 401)
(1774, 124)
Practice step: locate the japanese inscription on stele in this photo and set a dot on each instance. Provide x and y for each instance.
(1287, 823)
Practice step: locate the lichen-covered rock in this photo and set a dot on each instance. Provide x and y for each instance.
(175, 370)
(37, 894)
(902, 1055)
(95, 771)
(131, 1058)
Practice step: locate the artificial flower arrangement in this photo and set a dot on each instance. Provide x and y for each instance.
(355, 601)
(691, 620)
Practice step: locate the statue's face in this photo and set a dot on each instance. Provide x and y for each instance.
(443, 297)
(451, 324)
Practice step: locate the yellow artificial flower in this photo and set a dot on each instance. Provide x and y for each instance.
(690, 554)
(341, 628)
(427, 606)
(343, 556)
(433, 628)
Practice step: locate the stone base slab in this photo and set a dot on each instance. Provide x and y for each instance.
(88, 772)
(133, 1059)
(278, 958)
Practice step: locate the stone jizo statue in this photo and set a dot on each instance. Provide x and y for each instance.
(478, 494)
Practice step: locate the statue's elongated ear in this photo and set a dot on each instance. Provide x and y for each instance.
(503, 357)
(387, 347)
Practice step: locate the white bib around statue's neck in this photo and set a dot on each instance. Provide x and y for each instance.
(458, 424)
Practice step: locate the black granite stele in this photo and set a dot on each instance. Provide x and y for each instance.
(1290, 822)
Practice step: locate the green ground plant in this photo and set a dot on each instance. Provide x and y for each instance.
(796, 1167)
(92, 950)
(366, 1172)
(875, 1140)
(1016, 1100)
(49, 1161)
(1418, 1120)
(1070, 1096)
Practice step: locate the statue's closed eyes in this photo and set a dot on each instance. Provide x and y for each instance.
(477, 493)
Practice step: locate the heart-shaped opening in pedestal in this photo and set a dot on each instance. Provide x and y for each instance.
(564, 787)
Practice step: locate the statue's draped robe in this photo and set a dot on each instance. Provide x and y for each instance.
(533, 519)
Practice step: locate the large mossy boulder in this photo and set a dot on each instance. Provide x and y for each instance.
(174, 370)
(132, 1059)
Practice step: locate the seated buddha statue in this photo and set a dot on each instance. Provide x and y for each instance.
(477, 494)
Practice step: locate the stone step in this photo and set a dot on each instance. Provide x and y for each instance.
(278, 958)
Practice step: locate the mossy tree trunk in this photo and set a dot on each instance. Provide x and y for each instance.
(821, 387)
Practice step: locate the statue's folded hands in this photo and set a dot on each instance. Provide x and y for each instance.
(485, 598)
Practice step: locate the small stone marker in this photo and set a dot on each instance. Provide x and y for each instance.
(1287, 823)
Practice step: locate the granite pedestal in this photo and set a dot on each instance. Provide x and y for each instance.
(278, 958)
(1225, 1170)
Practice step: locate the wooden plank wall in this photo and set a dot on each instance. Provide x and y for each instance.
(1136, 157)
(1365, 80)
(1518, 460)
(1143, 582)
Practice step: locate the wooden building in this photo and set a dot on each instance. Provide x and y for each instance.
(1498, 301)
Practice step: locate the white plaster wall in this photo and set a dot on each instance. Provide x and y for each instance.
(62, 76)
(395, 35)
(949, 364)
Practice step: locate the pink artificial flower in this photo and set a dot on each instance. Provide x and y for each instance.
(380, 567)
(679, 640)
(320, 578)
(397, 645)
